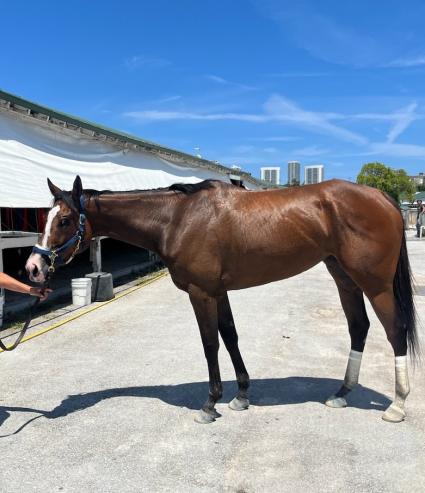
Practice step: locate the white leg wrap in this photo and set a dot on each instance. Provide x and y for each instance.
(395, 412)
(353, 369)
(402, 388)
(350, 380)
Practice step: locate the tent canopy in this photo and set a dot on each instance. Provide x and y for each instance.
(31, 152)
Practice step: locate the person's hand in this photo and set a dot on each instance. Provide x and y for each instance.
(41, 293)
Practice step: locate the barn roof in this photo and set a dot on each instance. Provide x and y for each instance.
(51, 116)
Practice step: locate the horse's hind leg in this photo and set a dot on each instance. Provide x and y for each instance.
(228, 333)
(358, 325)
(385, 307)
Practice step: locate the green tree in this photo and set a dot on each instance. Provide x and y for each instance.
(394, 182)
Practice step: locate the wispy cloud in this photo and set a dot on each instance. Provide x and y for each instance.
(278, 139)
(396, 150)
(285, 110)
(154, 115)
(406, 117)
(290, 75)
(310, 151)
(224, 82)
(167, 99)
(139, 61)
(276, 109)
(407, 62)
(323, 36)
(216, 78)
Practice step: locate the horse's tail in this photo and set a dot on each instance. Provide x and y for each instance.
(403, 292)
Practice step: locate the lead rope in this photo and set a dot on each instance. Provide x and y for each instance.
(26, 324)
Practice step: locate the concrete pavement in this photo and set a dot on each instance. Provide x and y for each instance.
(113, 394)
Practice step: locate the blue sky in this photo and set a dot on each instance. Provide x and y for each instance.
(251, 83)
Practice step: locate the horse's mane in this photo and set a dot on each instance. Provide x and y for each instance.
(186, 188)
(189, 188)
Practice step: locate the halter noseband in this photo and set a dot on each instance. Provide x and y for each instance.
(54, 254)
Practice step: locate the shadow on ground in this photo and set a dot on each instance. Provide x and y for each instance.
(264, 392)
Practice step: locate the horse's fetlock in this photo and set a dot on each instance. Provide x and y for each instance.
(243, 380)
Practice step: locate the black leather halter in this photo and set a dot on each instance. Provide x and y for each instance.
(54, 254)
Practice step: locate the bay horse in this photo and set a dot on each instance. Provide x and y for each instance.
(215, 237)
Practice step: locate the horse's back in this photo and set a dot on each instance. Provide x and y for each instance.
(244, 238)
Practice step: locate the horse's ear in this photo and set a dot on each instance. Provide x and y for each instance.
(53, 188)
(77, 189)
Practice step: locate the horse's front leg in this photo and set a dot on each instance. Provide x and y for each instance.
(227, 329)
(205, 308)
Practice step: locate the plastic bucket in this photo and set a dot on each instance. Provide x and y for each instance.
(81, 291)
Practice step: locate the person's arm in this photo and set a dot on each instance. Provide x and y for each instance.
(8, 282)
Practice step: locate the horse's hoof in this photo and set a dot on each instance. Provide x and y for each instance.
(238, 404)
(336, 402)
(215, 413)
(394, 414)
(205, 418)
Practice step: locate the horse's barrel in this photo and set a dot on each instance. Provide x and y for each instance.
(101, 286)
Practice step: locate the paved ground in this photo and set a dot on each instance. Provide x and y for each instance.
(117, 390)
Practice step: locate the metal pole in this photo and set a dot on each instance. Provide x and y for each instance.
(96, 254)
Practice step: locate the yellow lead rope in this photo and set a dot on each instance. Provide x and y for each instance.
(93, 308)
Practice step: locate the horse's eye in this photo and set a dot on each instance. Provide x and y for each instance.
(64, 222)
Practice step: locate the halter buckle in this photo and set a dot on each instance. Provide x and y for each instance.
(52, 258)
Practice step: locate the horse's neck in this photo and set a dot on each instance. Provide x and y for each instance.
(139, 219)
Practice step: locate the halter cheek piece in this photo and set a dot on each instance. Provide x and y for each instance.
(54, 254)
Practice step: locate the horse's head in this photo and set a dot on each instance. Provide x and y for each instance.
(65, 233)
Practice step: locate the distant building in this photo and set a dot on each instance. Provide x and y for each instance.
(294, 173)
(314, 174)
(418, 179)
(271, 175)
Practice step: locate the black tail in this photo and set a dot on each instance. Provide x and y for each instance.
(403, 292)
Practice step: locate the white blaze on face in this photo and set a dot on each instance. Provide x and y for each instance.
(36, 263)
(52, 214)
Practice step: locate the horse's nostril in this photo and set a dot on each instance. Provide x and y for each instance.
(35, 270)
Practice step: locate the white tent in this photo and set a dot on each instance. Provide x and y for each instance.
(32, 151)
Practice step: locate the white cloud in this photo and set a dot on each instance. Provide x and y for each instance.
(276, 109)
(396, 150)
(155, 115)
(309, 151)
(407, 62)
(290, 75)
(216, 78)
(224, 82)
(323, 36)
(283, 109)
(139, 61)
(277, 139)
(406, 117)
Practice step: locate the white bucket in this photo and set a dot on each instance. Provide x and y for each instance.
(81, 291)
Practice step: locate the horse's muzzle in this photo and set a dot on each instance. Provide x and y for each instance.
(36, 268)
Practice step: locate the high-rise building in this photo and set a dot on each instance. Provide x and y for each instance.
(314, 174)
(271, 174)
(293, 173)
